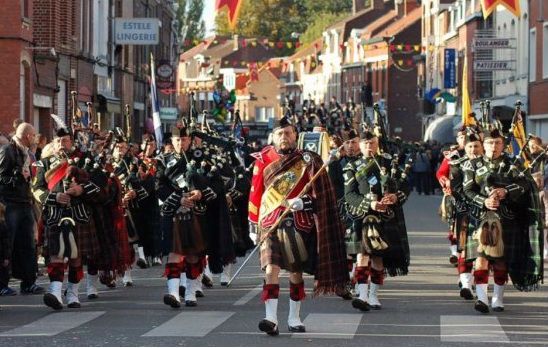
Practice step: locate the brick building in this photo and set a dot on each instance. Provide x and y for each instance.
(538, 68)
(337, 34)
(53, 48)
(392, 73)
(16, 36)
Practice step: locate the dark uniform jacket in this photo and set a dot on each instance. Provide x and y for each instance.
(14, 188)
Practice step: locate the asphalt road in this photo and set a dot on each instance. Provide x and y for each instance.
(421, 309)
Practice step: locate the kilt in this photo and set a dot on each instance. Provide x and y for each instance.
(471, 245)
(104, 231)
(289, 249)
(84, 236)
(125, 255)
(187, 237)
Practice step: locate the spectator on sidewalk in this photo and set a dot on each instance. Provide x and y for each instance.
(15, 176)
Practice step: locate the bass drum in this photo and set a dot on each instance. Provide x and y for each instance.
(317, 142)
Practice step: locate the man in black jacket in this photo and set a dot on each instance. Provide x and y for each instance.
(15, 192)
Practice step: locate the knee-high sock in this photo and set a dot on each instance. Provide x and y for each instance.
(56, 272)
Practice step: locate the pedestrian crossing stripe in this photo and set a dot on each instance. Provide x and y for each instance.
(53, 324)
(190, 324)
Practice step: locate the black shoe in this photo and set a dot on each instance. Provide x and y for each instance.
(142, 263)
(74, 305)
(92, 296)
(170, 300)
(224, 283)
(481, 307)
(498, 309)
(191, 303)
(360, 304)
(182, 291)
(199, 293)
(298, 328)
(51, 301)
(345, 294)
(111, 284)
(466, 294)
(453, 259)
(269, 327)
(206, 281)
(32, 290)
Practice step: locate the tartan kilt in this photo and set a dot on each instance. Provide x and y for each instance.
(125, 255)
(470, 244)
(104, 231)
(84, 236)
(274, 251)
(510, 236)
(187, 236)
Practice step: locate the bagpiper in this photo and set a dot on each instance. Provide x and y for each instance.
(65, 192)
(297, 230)
(459, 218)
(184, 194)
(504, 234)
(444, 179)
(375, 191)
(345, 155)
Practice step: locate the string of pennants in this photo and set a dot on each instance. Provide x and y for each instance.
(248, 42)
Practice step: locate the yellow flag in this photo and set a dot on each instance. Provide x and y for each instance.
(467, 120)
(521, 138)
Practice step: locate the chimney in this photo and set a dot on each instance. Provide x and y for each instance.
(235, 38)
(404, 7)
(378, 4)
(358, 5)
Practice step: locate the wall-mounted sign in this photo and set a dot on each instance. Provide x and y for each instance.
(164, 70)
(450, 69)
(168, 113)
(490, 65)
(483, 43)
(136, 31)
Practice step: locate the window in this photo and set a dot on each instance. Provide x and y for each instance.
(262, 114)
(545, 51)
(532, 55)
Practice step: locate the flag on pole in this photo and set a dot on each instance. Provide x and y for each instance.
(155, 104)
(233, 10)
(488, 6)
(467, 119)
(518, 139)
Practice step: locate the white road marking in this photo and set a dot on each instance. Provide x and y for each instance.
(190, 324)
(471, 328)
(249, 296)
(336, 326)
(53, 324)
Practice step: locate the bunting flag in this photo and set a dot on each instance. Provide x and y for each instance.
(155, 103)
(518, 139)
(488, 6)
(233, 10)
(467, 118)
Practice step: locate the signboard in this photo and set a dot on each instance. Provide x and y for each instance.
(136, 31)
(491, 65)
(450, 69)
(168, 114)
(483, 43)
(164, 70)
(164, 84)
